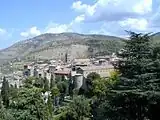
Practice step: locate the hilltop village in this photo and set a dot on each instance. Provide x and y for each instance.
(75, 70)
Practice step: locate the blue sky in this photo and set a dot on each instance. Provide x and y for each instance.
(22, 19)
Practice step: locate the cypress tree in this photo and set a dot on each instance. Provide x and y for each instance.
(46, 84)
(52, 81)
(15, 86)
(0, 102)
(50, 106)
(5, 92)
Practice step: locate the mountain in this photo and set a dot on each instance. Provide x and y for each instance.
(156, 37)
(54, 46)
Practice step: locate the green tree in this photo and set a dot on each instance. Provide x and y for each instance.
(39, 82)
(5, 114)
(91, 78)
(99, 87)
(54, 94)
(136, 66)
(62, 86)
(29, 105)
(52, 81)
(0, 102)
(29, 82)
(70, 87)
(15, 85)
(50, 107)
(155, 83)
(138, 85)
(113, 80)
(55, 91)
(13, 91)
(46, 84)
(79, 109)
(101, 90)
(5, 92)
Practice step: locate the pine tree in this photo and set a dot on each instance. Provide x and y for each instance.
(5, 92)
(155, 83)
(136, 64)
(137, 71)
(136, 96)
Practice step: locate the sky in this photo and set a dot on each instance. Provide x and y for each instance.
(23, 19)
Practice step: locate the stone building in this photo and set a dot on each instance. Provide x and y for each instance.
(63, 73)
(78, 81)
(104, 71)
(26, 71)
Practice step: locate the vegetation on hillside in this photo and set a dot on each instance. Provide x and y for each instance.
(50, 41)
(104, 47)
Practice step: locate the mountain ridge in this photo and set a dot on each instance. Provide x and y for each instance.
(64, 33)
(42, 41)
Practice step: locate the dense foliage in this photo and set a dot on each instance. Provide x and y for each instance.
(5, 92)
(136, 96)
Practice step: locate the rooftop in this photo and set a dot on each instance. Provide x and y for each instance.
(64, 71)
(97, 67)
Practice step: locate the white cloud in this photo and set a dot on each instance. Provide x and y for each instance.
(155, 18)
(73, 26)
(24, 34)
(33, 31)
(113, 10)
(108, 29)
(58, 28)
(144, 6)
(135, 24)
(79, 18)
(112, 16)
(2, 31)
(101, 31)
(118, 28)
(135, 15)
(52, 27)
(5, 34)
(84, 8)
